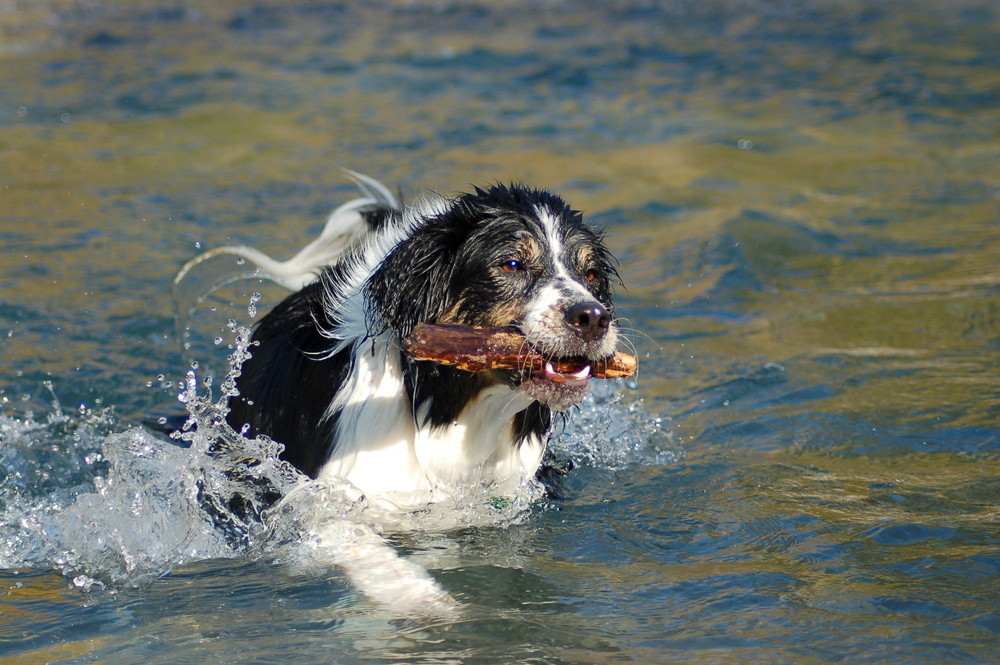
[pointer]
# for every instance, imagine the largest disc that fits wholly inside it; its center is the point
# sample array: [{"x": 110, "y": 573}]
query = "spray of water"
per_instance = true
[{"x": 110, "y": 503}]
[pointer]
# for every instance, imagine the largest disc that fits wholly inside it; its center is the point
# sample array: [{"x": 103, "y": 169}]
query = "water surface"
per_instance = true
[{"x": 804, "y": 200}]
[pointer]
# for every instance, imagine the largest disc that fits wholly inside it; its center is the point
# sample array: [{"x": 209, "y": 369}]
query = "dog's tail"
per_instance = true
[{"x": 345, "y": 228}]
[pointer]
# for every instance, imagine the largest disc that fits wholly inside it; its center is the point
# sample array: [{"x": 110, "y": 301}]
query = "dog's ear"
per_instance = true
[{"x": 411, "y": 284}]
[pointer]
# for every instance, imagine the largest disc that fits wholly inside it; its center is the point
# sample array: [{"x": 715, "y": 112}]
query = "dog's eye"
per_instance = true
[
  {"x": 512, "y": 266},
  {"x": 591, "y": 275}
]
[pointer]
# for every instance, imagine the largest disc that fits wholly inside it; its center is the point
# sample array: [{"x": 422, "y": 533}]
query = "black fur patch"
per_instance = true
[
  {"x": 448, "y": 269},
  {"x": 286, "y": 387}
]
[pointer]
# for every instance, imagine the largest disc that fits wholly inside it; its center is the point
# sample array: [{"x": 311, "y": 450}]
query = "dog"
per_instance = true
[{"x": 327, "y": 379}]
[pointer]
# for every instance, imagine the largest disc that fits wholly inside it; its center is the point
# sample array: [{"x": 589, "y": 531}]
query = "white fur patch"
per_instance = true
[
  {"x": 563, "y": 277},
  {"x": 383, "y": 452}
]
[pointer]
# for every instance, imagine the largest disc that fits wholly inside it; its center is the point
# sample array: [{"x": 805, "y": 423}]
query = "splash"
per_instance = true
[
  {"x": 124, "y": 508},
  {"x": 109, "y": 503},
  {"x": 613, "y": 430}
]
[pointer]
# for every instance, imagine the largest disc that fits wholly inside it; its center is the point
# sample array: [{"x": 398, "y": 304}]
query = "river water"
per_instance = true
[{"x": 804, "y": 198}]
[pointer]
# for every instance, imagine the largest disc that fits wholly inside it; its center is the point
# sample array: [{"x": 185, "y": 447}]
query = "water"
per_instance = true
[{"x": 804, "y": 200}]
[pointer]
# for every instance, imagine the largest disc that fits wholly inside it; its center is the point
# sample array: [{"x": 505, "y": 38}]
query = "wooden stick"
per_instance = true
[{"x": 475, "y": 349}]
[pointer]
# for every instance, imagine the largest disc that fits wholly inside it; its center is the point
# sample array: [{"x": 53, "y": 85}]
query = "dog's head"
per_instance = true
[{"x": 509, "y": 256}]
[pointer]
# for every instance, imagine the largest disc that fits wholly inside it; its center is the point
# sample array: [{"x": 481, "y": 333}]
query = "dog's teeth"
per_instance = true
[
  {"x": 552, "y": 375},
  {"x": 579, "y": 377}
]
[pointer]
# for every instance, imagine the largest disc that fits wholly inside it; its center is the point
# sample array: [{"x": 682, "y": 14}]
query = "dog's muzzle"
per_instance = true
[{"x": 584, "y": 334}]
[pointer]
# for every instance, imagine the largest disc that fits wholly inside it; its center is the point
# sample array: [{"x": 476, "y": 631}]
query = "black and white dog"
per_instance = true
[{"x": 327, "y": 377}]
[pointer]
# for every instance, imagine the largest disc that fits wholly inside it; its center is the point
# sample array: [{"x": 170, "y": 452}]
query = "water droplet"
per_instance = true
[{"x": 254, "y": 299}]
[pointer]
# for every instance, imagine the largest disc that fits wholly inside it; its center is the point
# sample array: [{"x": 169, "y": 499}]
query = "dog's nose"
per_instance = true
[{"x": 589, "y": 319}]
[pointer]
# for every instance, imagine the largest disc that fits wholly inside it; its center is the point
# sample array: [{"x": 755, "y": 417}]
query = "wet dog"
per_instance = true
[{"x": 327, "y": 377}]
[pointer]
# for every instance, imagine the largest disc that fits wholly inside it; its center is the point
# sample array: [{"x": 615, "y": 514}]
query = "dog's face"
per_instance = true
[{"x": 522, "y": 258}]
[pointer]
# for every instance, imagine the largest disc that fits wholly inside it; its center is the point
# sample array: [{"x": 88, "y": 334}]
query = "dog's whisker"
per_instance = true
[{"x": 635, "y": 331}]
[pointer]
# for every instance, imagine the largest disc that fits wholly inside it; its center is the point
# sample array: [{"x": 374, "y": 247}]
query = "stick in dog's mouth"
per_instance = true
[{"x": 476, "y": 349}]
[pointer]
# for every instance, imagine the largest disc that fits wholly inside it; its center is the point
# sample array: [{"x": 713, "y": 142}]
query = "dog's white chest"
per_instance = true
[{"x": 383, "y": 452}]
